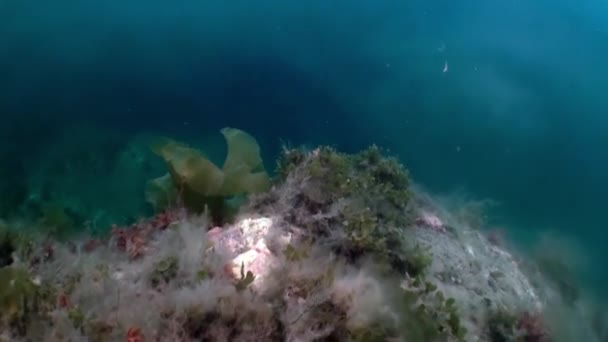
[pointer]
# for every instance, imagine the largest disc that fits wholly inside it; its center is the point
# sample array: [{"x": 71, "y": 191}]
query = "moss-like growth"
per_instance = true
[
  {"x": 203, "y": 274},
  {"x": 289, "y": 162},
  {"x": 417, "y": 260},
  {"x": 374, "y": 332},
  {"x": 427, "y": 315},
  {"x": 21, "y": 300},
  {"x": 200, "y": 184},
  {"x": 164, "y": 271},
  {"x": 419, "y": 313},
  {"x": 71, "y": 282},
  {"x": 501, "y": 326},
  {"x": 77, "y": 317},
  {"x": 367, "y": 193},
  {"x": 296, "y": 254},
  {"x": 14, "y": 243},
  {"x": 98, "y": 330}
]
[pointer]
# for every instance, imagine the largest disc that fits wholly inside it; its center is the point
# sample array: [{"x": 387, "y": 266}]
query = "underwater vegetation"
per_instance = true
[
  {"x": 336, "y": 247},
  {"x": 367, "y": 195},
  {"x": 199, "y": 183}
]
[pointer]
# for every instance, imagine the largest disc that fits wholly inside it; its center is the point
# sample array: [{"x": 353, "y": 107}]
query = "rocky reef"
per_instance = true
[{"x": 338, "y": 247}]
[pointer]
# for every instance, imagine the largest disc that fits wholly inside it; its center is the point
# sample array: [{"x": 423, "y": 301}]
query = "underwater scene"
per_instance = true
[{"x": 321, "y": 170}]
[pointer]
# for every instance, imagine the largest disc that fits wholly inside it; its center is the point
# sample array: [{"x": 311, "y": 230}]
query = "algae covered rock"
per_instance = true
[
  {"x": 199, "y": 183},
  {"x": 362, "y": 199},
  {"x": 20, "y": 299}
]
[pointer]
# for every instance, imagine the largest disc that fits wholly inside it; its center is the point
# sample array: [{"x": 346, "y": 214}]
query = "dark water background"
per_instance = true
[{"x": 521, "y": 116}]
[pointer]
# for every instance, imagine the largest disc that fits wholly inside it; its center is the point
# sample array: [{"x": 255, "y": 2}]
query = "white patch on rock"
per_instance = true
[
  {"x": 473, "y": 271},
  {"x": 254, "y": 229},
  {"x": 248, "y": 240}
]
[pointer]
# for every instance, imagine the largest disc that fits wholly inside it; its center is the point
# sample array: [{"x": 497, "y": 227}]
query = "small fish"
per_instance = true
[{"x": 445, "y": 67}]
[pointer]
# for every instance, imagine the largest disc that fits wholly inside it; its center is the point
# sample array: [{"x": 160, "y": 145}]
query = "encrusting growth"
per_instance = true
[{"x": 332, "y": 249}]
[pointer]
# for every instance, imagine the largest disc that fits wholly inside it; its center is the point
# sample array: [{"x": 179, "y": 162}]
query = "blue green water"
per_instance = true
[{"x": 519, "y": 116}]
